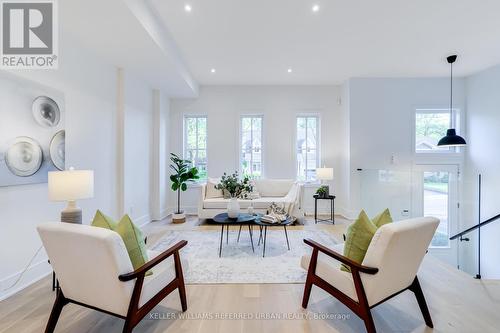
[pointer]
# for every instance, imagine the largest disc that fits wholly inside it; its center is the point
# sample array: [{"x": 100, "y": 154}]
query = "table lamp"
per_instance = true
[
  {"x": 71, "y": 185},
  {"x": 325, "y": 174}
]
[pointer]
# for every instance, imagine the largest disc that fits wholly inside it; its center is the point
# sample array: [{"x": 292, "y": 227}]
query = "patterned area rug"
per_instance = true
[{"x": 238, "y": 263}]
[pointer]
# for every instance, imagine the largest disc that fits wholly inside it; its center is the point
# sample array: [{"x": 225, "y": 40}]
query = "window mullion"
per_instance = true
[
  {"x": 251, "y": 146},
  {"x": 307, "y": 149}
]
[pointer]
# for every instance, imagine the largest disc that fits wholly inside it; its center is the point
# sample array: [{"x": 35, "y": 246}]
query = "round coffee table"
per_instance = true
[
  {"x": 265, "y": 225},
  {"x": 226, "y": 221}
]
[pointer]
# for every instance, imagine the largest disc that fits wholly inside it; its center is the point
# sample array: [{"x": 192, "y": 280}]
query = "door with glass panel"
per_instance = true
[{"x": 436, "y": 194}]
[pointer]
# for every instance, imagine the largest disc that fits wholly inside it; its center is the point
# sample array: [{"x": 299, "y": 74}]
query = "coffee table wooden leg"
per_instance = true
[
  {"x": 221, "y": 236},
  {"x": 239, "y": 233},
  {"x": 227, "y": 234}
]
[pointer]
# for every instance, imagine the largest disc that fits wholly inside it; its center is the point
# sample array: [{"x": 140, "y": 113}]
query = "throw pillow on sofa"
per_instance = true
[
  {"x": 360, "y": 234},
  {"x": 211, "y": 191},
  {"x": 131, "y": 235}
]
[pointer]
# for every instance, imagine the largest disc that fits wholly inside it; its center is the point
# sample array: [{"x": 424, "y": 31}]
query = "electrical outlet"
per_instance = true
[{"x": 405, "y": 212}]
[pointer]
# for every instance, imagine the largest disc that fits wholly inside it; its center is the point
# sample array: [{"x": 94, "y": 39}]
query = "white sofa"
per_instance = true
[{"x": 281, "y": 191}]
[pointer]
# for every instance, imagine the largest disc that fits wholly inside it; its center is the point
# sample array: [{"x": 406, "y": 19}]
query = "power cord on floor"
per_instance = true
[{"x": 24, "y": 270}]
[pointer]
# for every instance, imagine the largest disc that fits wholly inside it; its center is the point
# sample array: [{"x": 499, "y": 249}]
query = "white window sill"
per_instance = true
[{"x": 311, "y": 184}]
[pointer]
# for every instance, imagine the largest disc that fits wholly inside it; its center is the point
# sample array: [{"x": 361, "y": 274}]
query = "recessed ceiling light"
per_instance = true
[
  {"x": 315, "y": 8},
  {"x": 187, "y": 8},
  {"x": 212, "y": 70},
  {"x": 289, "y": 70}
]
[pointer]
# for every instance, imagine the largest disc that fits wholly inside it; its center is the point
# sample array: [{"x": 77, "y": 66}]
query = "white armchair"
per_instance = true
[
  {"x": 389, "y": 268},
  {"x": 94, "y": 270}
]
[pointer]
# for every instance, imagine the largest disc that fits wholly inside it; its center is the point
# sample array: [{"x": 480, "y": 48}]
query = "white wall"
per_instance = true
[
  {"x": 160, "y": 146},
  {"x": 483, "y": 124},
  {"x": 280, "y": 105},
  {"x": 138, "y": 149},
  {"x": 381, "y": 123},
  {"x": 89, "y": 86}
]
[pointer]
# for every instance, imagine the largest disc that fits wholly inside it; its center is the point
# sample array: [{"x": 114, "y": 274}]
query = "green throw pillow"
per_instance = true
[
  {"x": 382, "y": 218},
  {"x": 359, "y": 236},
  {"x": 134, "y": 241},
  {"x": 131, "y": 235},
  {"x": 103, "y": 221}
]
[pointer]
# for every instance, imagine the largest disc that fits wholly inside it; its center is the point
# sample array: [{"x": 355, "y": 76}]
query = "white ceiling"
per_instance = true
[
  {"x": 256, "y": 41},
  {"x": 117, "y": 32}
]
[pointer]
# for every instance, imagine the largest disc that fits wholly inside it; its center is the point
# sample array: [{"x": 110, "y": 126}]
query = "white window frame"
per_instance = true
[
  {"x": 454, "y": 123},
  {"x": 318, "y": 144},
  {"x": 184, "y": 141},
  {"x": 240, "y": 160}
]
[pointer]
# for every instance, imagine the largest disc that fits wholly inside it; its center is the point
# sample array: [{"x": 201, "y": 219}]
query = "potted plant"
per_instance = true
[
  {"x": 322, "y": 191},
  {"x": 235, "y": 188},
  {"x": 183, "y": 174}
]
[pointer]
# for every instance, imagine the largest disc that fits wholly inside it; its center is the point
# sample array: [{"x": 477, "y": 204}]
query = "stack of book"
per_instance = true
[{"x": 273, "y": 218}]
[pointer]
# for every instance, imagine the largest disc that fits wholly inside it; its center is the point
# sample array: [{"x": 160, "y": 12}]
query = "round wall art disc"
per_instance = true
[
  {"x": 46, "y": 111},
  {"x": 24, "y": 157},
  {"x": 57, "y": 150}
]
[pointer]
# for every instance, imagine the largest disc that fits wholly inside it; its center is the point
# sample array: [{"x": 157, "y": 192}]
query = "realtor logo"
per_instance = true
[{"x": 29, "y": 34}]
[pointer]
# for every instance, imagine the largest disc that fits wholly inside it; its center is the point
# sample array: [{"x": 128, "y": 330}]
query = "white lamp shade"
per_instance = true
[
  {"x": 71, "y": 185},
  {"x": 324, "y": 173}
]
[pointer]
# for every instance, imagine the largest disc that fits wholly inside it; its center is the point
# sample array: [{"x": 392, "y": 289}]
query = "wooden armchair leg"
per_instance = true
[
  {"x": 363, "y": 307},
  {"x": 180, "y": 277},
  {"x": 127, "y": 327},
  {"x": 56, "y": 311},
  {"x": 368, "y": 319},
  {"x": 307, "y": 293},
  {"x": 310, "y": 277},
  {"x": 417, "y": 290}
]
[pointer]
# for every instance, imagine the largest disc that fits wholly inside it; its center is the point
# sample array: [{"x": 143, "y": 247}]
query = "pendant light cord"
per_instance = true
[{"x": 451, "y": 89}]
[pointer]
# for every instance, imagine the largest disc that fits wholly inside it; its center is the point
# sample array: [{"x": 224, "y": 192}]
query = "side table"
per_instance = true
[{"x": 332, "y": 208}]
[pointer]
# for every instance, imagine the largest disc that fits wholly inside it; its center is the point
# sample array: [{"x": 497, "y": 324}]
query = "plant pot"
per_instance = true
[
  {"x": 326, "y": 192},
  {"x": 233, "y": 208},
  {"x": 178, "y": 217}
]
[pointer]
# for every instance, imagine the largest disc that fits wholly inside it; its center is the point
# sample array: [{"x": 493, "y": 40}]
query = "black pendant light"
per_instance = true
[{"x": 451, "y": 139}]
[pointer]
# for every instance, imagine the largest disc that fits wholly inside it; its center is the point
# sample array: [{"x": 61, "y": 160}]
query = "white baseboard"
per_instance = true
[
  {"x": 164, "y": 213},
  {"x": 143, "y": 220},
  {"x": 190, "y": 210},
  {"x": 33, "y": 274}
]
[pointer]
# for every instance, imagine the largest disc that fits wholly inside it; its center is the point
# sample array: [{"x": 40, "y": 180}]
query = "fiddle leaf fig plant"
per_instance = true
[{"x": 183, "y": 173}]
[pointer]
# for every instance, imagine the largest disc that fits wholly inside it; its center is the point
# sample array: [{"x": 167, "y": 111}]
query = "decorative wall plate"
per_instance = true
[
  {"x": 24, "y": 157},
  {"x": 57, "y": 149},
  {"x": 46, "y": 111}
]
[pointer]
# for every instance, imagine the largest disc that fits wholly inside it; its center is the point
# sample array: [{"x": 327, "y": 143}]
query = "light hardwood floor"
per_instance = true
[{"x": 458, "y": 303}]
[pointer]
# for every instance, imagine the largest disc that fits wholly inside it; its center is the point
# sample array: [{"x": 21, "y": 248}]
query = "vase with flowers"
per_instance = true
[{"x": 234, "y": 187}]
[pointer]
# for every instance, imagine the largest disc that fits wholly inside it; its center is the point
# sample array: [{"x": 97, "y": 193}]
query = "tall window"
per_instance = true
[
  {"x": 195, "y": 143},
  {"x": 307, "y": 147},
  {"x": 430, "y": 127},
  {"x": 251, "y": 146}
]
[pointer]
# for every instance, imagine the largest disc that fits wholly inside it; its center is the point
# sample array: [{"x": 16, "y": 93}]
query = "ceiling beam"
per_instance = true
[{"x": 146, "y": 15}]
